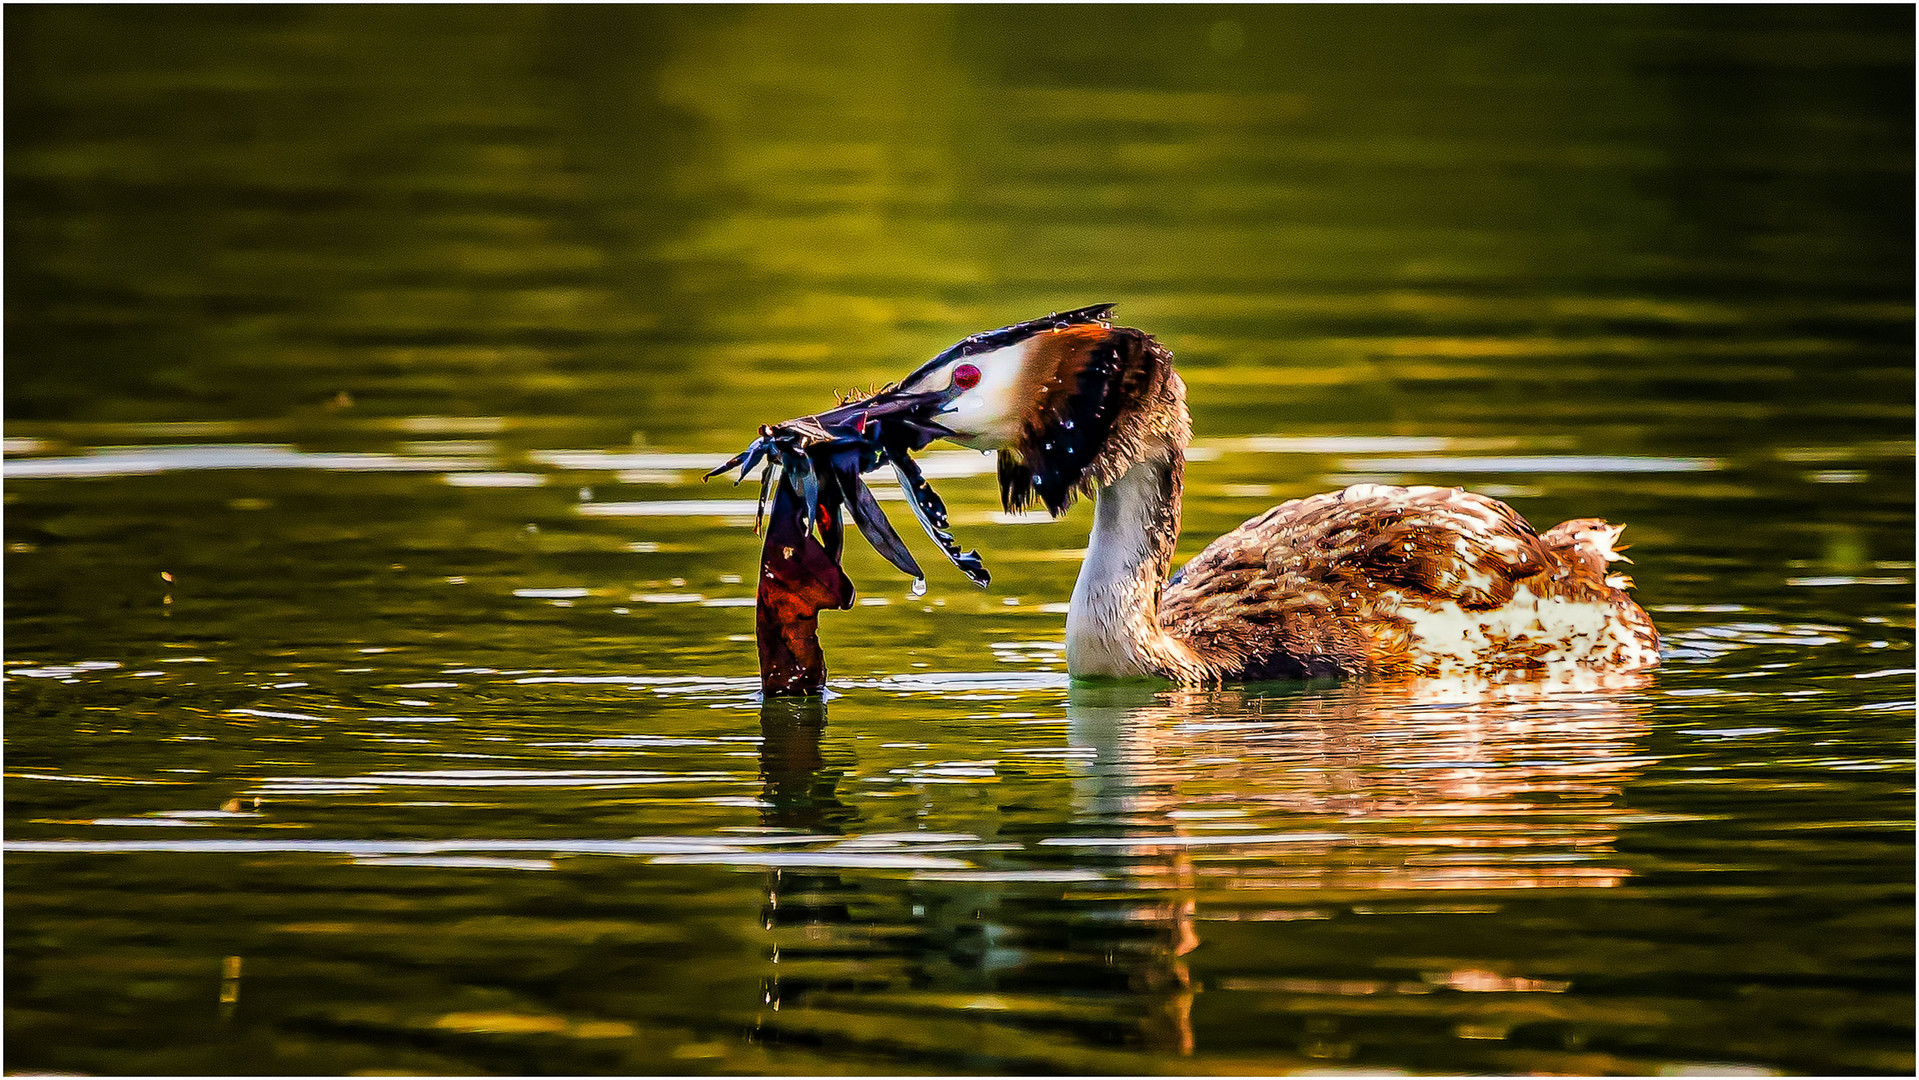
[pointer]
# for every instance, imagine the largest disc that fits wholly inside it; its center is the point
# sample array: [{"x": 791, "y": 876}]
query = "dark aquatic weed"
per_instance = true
[
  {"x": 822, "y": 459},
  {"x": 811, "y": 479}
]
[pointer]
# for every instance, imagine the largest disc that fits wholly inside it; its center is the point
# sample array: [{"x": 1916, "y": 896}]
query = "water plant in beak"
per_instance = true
[
  {"x": 811, "y": 481},
  {"x": 823, "y": 458}
]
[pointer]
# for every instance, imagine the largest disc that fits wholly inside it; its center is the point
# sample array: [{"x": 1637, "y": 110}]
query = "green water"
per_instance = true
[{"x": 380, "y": 688}]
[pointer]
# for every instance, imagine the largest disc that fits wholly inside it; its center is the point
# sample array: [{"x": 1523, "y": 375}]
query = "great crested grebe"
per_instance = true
[{"x": 1371, "y": 580}]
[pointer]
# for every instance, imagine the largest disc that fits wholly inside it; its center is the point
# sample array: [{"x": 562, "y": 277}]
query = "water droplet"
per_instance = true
[{"x": 919, "y": 588}]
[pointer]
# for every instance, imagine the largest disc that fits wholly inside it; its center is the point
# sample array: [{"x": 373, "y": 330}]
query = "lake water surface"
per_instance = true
[{"x": 380, "y": 686}]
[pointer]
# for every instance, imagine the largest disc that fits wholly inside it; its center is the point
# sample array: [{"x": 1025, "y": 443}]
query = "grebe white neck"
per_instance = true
[{"x": 1112, "y": 625}]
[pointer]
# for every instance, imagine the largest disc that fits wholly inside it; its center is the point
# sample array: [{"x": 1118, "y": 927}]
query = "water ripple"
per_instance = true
[{"x": 136, "y": 460}]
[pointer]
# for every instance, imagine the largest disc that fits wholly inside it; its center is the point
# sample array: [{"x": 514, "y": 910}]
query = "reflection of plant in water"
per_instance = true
[{"x": 798, "y": 792}]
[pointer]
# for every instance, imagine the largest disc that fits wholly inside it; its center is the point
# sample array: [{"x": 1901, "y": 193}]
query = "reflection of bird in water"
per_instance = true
[
  {"x": 1366, "y": 581},
  {"x": 1501, "y": 770},
  {"x": 1380, "y": 792}
]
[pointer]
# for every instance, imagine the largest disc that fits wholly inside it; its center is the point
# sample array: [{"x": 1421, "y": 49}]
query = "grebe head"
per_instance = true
[
  {"x": 989, "y": 380},
  {"x": 1070, "y": 401}
]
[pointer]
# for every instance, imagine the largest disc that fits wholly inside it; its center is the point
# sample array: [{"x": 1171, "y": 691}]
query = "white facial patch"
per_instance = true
[{"x": 988, "y": 416}]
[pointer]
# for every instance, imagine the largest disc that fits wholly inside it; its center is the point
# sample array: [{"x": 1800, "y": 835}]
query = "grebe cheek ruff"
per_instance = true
[{"x": 1372, "y": 580}]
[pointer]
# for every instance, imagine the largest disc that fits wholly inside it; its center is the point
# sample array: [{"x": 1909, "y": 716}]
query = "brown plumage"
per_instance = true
[
  {"x": 1100, "y": 396},
  {"x": 1361, "y": 581}
]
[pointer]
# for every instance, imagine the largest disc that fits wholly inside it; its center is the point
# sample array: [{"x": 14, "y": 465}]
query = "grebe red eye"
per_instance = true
[{"x": 966, "y": 376}]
